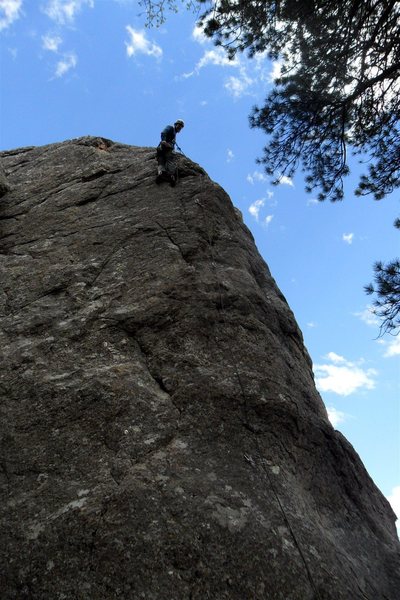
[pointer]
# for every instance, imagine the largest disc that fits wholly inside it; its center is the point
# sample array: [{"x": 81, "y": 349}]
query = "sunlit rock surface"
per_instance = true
[{"x": 161, "y": 434}]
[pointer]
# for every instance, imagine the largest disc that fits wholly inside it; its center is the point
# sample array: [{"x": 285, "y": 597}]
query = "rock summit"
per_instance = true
[{"x": 161, "y": 434}]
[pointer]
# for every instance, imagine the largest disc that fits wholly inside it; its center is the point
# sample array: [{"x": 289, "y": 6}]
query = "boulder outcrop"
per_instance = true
[{"x": 161, "y": 434}]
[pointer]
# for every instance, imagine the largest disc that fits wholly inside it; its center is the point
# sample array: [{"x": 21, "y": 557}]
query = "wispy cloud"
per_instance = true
[
  {"x": 68, "y": 62},
  {"x": 63, "y": 12},
  {"x": 13, "y": 52},
  {"x": 229, "y": 156},
  {"x": 199, "y": 36},
  {"x": 51, "y": 42},
  {"x": 268, "y": 219},
  {"x": 276, "y": 71},
  {"x": 255, "y": 207},
  {"x": 239, "y": 86},
  {"x": 348, "y": 238},
  {"x": 342, "y": 376},
  {"x": 254, "y": 210},
  {"x": 139, "y": 44},
  {"x": 262, "y": 64},
  {"x": 216, "y": 57},
  {"x": 249, "y": 72},
  {"x": 256, "y": 176},
  {"x": 335, "y": 358},
  {"x": 236, "y": 85},
  {"x": 368, "y": 316},
  {"x": 285, "y": 180},
  {"x": 393, "y": 348},
  {"x": 335, "y": 416},
  {"x": 10, "y": 11}
]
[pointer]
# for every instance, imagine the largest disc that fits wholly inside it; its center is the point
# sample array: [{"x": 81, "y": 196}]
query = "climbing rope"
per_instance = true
[{"x": 180, "y": 151}]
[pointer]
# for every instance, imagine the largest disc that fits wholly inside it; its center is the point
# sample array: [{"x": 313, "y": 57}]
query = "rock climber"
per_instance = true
[{"x": 165, "y": 153}]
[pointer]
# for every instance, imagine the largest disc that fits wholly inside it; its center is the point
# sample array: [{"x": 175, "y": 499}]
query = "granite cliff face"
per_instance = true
[{"x": 161, "y": 434}]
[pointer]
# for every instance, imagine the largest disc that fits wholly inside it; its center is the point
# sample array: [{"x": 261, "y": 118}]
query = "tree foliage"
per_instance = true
[
  {"x": 339, "y": 84},
  {"x": 386, "y": 288}
]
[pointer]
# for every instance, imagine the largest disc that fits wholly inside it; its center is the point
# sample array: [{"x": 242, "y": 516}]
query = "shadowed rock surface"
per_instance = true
[
  {"x": 161, "y": 434},
  {"x": 4, "y": 187}
]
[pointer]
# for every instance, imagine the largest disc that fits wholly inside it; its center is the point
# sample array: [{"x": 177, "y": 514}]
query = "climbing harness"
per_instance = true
[{"x": 175, "y": 175}]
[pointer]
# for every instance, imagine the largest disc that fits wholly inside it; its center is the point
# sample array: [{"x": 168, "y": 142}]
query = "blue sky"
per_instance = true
[{"x": 89, "y": 67}]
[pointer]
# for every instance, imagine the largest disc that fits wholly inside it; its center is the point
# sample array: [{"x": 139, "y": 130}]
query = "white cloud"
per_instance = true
[
  {"x": 276, "y": 71},
  {"x": 268, "y": 219},
  {"x": 348, "y": 238},
  {"x": 343, "y": 377},
  {"x": 254, "y": 73},
  {"x": 262, "y": 60},
  {"x": 140, "y": 44},
  {"x": 254, "y": 209},
  {"x": 394, "y": 499},
  {"x": 185, "y": 75},
  {"x": 64, "y": 11},
  {"x": 312, "y": 202},
  {"x": 9, "y": 12},
  {"x": 66, "y": 64},
  {"x": 257, "y": 176},
  {"x": 335, "y": 416},
  {"x": 285, "y": 180},
  {"x": 335, "y": 358},
  {"x": 230, "y": 156},
  {"x": 199, "y": 36},
  {"x": 311, "y": 324},
  {"x": 368, "y": 316},
  {"x": 393, "y": 348},
  {"x": 51, "y": 42},
  {"x": 216, "y": 57},
  {"x": 238, "y": 86}
]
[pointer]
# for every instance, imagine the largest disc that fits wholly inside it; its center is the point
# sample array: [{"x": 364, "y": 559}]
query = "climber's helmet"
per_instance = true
[{"x": 179, "y": 124}]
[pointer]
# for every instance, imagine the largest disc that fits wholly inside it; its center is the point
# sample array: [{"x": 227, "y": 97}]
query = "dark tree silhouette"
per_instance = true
[
  {"x": 339, "y": 85},
  {"x": 386, "y": 288}
]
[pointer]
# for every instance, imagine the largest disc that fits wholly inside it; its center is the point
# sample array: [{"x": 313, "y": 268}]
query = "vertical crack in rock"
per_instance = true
[
  {"x": 161, "y": 435},
  {"x": 173, "y": 242},
  {"x": 156, "y": 376}
]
